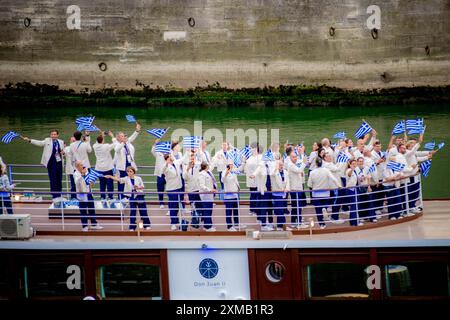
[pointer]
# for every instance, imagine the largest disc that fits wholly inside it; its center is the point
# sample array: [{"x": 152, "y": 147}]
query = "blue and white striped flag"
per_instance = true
[
  {"x": 91, "y": 128},
  {"x": 342, "y": 157},
  {"x": 87, "y": 121},
  {"x": 235, "y": 157},
  {"x": 268, "y": 156},
  {"x": 92, "y": 176},
  {"x": 372, "y": 168},
  {"x": 163, "y": 147},
  {"x": 425, "y": 167},
  {"x": 9, "y": 136},
  {"x": 157, "y": 132},
  {"x": 364, "y": 129},
  {"x": 339, "y": 135},
  {"x": 430, "y": 145},
  {"x": 246, "y": 152},
  {"x": 383, "y": 154},
  {"x": 395, "y": 166},
  {"x": 130, "y": 118},
  {"x": 334, "y": 145},
  {"x": 415, "y": 126},
  {"x": 441, "y": 145},
  {"x": 192, "y": 142},
  {"x": 399, "y": 128}
]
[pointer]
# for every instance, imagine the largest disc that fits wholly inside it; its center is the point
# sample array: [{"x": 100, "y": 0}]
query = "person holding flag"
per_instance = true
[
  {"x": 134, "y": 192},
  {"x": 208, "y": 186},
  {"x": 391, "y": 185},
  {"x": 85, "y": 198},
  {"x": 296, "y": 174},
  {"x": 5, "y": 191},
  {"x": 81, "y": 148},
  {"x": 379, "y": 158},
  {"x": 172, "y": 173},
  {"x": 52, "y": 159},
  {"x": 231, "y": 196},
  {"x": 105, "y": 165},
  {"x": 124, "y": 155},
  {"x": 69, "y": 168},
  {"x": 220, "y": 159},
  {"x": 192, "y": 187},
  {"x": 158, "y": 172},
  {"x": 250, "y": 166}
]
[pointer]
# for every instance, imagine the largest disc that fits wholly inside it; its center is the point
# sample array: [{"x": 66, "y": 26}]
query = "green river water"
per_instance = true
[{"x": 294, "y": 124}]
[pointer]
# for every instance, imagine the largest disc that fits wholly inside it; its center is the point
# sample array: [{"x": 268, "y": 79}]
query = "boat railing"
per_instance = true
[{"x": 351, "y": 204}]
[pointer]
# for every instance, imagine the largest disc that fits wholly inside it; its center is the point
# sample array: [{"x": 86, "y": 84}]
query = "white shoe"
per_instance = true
[
  {"x": 212, "y": 229},
  {"x": 168, "y": 213},
  {"x": 339, "y": 221},
  {"x": 323, "y": 226},
  {"x": 232, "y": 229},
  {"x": 96, "y": 227},
  {"x": 325, "y": 213},
  {"x": 302, "y": 226},
  {"x": 266, "y": 228},
  {"x": 85, "y": 229},
  {"x": 393, "y": 218},
  {"x": 148, "y": 228},
  {"x": 378, "y": 212},
  {"x": 242, "y": 226},
  {"x": 374, "y": 220},
  {"x": 131, "y": 230},
  {"x": 288, "y": 228},
  {"x": 384, "y": 210},
  {"x": 173, "y": 227},
  {"x": 360, "y": 223},
  {"x": 161, "y": 206},
  {"x": 401, "y": 217}
]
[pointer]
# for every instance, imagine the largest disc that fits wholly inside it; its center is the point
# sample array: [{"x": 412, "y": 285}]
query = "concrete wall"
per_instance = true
[{"x": 238, "y": 43}]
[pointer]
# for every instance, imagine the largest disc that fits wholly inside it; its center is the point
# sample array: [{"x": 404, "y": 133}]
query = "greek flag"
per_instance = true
[
  {"x": 92, "y": 176},
  {"x": 364, "y": 129},
  {"x": 415, "y": 126},
  {"x": 425, "y": 167},
  {"x": 430, "y": 145},
  {"x": 163, "y": 147},
  {"x": 157, "y": 132},
  {"x": 268, "y": 156},
  {"x": 395, "y": 166},
  {"x": 339, "y": 135},
  {"x": 399, "y": 128},
  {"x": 192, "y": 142},
  {"x": 383, "y": 154},
  {"x": 342, "y": 157},
  {"x": 87, "y": 121},
  {"x": 130, "y": 118},
  {"x": 246, "y": 152},
  {"x": 334, "y": 145},
  {"x": 91, "y": 128},
  {"x": 372, "y": 168},
  {"x": 9, "y": 136},
  {"x": 235, "y": 157},
  {"x": 441, "y": 145}
]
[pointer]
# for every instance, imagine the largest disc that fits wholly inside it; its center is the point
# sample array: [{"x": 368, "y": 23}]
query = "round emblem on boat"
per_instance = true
[{"x": 208, "y": 268}]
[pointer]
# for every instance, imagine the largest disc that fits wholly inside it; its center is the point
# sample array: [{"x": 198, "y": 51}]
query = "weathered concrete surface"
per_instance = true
[{"x": 238, "y": 43}]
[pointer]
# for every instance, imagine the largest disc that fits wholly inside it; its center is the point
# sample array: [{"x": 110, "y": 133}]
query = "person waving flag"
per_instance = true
[
  {"x": 92, "y": 176},
  {"x": 415, "y": 126},
  {"x": 425, "y": 167},
  {"x": 192, "y": 142}
]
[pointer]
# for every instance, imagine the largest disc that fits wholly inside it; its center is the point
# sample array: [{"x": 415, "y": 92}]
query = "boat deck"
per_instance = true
[{"x": 432, "y": 228}]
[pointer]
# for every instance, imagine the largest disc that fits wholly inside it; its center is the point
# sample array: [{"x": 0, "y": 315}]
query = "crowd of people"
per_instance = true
[{"x": 352, "y": 181}]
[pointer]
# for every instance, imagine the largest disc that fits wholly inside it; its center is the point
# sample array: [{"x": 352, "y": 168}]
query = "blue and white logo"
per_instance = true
[{"x": 208, "y": 268}]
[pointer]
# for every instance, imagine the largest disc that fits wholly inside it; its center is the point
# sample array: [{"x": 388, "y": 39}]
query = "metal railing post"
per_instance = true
[
  {"x": 420, "y": 191},
  {"x": 406, "y": 197},
  {"x": 62, "y": 216}
]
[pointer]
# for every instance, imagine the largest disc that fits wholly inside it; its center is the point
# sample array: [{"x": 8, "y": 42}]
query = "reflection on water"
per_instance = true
[{"x": 295, "y": 124}]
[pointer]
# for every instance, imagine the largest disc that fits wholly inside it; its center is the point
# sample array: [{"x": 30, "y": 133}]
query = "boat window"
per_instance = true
[
  {"x": 337, "y": 280},
  {"x": 275, "y": 271},
  {"x": 53, "y": 279},
  {"x": 133, "y": 280},
  {"x": 417, "y": 278}
]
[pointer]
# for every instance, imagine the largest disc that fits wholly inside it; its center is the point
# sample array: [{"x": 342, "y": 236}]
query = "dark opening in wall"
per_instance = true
[
  {"x": 102, "y": 66},
  {"x": 191, "y": 22}
]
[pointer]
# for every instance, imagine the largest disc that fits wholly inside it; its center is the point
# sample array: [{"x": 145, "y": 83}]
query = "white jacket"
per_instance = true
[
  {"x": 320, "y": 179},
  {"x": 278, "y": 185},
  {"x": 159, "y": 162},
  {"x": 249, "y": 168},
  {"x": 206, "y": 184},
  {"x": 120, "y": 153},
  {"x": 296, "y": 175},
  {"x": 47, "y": 143},
  {"x": 230, "y": 185},
  {"x": 81, "y": 186},
  {"x": 80, "y": 151},
  {"x": 129, "y": 188},
  {"x": 103, "y": 154},
  {"x": 261, "y": 174},
  {"x": 191, "y": 178},
  {"x": 69, "y": 161},
  {"x": 173, "y": 176},
  {"x": 219, "y": 161}
]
